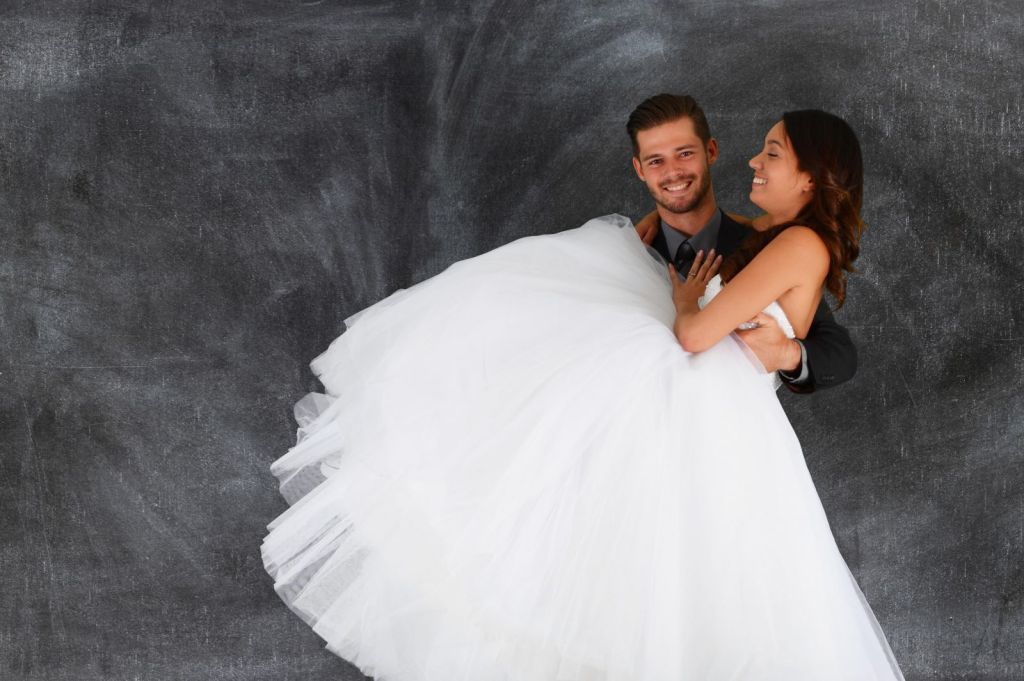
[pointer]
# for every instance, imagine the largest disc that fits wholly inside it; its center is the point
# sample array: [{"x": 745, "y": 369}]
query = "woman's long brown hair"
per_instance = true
[{"x": 827, "y": 149}]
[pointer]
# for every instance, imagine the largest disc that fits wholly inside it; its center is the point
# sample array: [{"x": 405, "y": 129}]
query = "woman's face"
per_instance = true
[{"x": 779, "y": 187}]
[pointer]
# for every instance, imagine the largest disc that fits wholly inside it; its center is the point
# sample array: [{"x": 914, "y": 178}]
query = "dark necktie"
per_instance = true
[{"x": 684, "y": 258}]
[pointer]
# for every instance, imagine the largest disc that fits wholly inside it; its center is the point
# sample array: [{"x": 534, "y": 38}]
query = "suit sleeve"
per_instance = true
[{"x": 831, "y": 354}]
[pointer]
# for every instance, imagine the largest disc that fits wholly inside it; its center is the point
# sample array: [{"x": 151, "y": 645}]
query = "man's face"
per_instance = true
[{"x": 675, "y": 165}]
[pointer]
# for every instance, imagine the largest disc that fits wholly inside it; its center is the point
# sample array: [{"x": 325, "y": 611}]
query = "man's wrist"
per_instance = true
[
  {"x": 793, "y": 359},
  {"x": 795, "y": 370}
]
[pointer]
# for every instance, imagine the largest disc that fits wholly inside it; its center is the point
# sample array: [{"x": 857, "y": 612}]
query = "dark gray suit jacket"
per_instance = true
[{"x": 831, "y": 355}]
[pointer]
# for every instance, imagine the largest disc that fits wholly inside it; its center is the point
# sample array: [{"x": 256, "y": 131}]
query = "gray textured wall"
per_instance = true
[{"x": 194, "y": 195}]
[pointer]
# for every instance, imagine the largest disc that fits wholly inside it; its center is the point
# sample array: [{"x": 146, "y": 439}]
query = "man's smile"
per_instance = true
[{"x": 678, "y": 186}]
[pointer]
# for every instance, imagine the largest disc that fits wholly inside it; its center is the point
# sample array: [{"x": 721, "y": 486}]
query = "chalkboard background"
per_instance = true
[{"x": 195, "y": 194}]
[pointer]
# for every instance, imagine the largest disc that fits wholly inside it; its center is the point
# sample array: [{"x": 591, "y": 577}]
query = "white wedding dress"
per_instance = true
[{"x": 517, "y": 474}]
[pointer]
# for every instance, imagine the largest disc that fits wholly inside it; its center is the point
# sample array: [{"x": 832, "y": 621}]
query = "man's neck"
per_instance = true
[{"x": 692, "y": 221}]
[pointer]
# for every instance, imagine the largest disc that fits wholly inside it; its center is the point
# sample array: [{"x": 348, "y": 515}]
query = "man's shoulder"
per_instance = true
[
  {"x": 735, "y": 220},
  {"x": 731, "y": 232}
]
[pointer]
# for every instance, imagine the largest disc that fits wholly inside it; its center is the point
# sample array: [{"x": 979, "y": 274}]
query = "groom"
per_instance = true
[{"x": 673, "y": 152}]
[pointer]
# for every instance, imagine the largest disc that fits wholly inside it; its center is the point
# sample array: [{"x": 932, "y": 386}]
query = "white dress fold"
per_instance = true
[{"x": 517, "y": 474}]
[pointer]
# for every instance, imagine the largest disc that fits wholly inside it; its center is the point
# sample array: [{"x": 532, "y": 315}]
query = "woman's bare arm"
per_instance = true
[{"x": 796, "y": 259}]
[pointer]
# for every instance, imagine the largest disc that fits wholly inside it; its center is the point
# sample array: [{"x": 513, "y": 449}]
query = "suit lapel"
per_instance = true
[
  {"x": 730, "y": 234},
  {"x": 661, "y": 245}
]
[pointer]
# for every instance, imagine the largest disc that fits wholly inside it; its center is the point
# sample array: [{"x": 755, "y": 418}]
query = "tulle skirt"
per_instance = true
[{"x": 517, "y": 474}]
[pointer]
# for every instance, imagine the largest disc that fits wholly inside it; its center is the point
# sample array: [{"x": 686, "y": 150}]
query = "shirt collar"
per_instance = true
[{"x": 704, "y": 240}]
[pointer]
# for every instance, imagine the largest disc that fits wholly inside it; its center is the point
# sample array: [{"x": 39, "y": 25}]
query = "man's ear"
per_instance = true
[
  {"x": 712, "y": 147},
  {"x": 638, "y": 168}
]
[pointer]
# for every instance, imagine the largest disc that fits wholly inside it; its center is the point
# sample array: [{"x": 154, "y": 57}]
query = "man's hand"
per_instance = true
[
  {"x": 770, "y": 344},
  {"x": 648, "y": 227}
]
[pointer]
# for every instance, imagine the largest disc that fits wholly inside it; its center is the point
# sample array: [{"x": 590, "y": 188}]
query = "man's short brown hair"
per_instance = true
[{"x": 665, "y": 108}]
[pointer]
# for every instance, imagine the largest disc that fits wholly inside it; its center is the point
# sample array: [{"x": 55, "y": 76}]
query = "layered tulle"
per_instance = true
[{"x": 518, "y": 474}]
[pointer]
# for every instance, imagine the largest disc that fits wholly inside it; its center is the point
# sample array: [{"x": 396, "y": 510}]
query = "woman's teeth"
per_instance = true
[{"x": 760, "y": 180}]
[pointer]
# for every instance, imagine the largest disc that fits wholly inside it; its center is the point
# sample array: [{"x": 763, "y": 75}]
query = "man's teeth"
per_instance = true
[
  {"x": 677, "y": 187},
  {"x": 760, "y": 180}
]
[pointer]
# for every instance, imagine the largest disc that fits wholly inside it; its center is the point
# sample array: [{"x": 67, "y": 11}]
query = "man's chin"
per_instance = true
[{"x": 679, "y": 207}]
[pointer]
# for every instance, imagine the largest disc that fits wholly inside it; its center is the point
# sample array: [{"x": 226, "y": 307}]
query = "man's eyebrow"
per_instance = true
[{"x": 679, "y": 148}]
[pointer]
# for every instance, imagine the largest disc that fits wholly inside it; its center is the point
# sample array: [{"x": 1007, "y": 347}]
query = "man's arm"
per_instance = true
[
  {"x": 648, "y": 227},
  {"x": 827, "y": 357},
  {"x": 831, "y": 354}
]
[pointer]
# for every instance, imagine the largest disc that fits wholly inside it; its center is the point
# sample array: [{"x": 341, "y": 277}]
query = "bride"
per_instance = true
[{"x": 549, "y": 463}]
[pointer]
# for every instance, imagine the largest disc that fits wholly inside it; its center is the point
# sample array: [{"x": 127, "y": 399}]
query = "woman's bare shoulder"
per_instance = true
[
  {"x": 802, "y": 235},
  {"x": 803, "y": 243}
]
